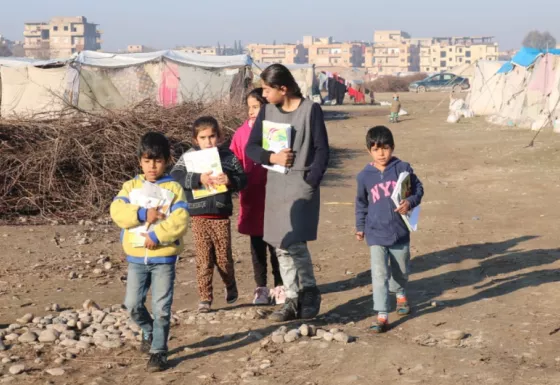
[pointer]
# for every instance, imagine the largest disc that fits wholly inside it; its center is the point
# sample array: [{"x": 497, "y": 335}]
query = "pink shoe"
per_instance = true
[
  {"x": 280, "y": 295},
  {"x": 261, "y": 296}
]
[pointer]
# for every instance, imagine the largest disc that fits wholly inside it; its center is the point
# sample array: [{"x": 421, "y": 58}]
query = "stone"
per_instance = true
[
  {"x": 55, "y": 307},
  {"x": 72, "y": 275},
  {"x": 247, "y": 374},
  {"x": 278, "y": 338},
  {"x": 70, "y": 335},
  {"x": 55, "y": 372},
  {"x": 48, "y": 336},
  {"x": 28, "y": 337},
  {"x": 69, "y": 356},
  {"x": 38, "y": 361},
  {"x": 334, "y": 331},
  {"x": 265, "y": 366},
  {"x": 291, "y": 336},
  {"x": 304, "y": 330},
  {"x": 61, "y": 328},
  {"x": 69, "y": 343},
  {"x": 97, "y": 271},
  {"x": 80, "y": 325},
  {"x": 112, "y": 344},
  {"x": 12, "y": 337},
  {"x": 2, "y": 346},
  {"x": 451, "y": 343},
  {"x": 86, "y": 339},
  {"x": 83, "y": 345},
  {"x": 89, "y": 305},
  {"x": 60, "y": 360},
  {"x": 328, "y": 336},
  {"x": 25, "y": 319},
  {"x": 281, "y": 330},
  {"x": 13, "y": 327},
  {"x": 72, "y": 323},
  {"x": 456, "y": 335},
  {"x": 6, "y": 360},
  {"x": 17, "y": 369},
  {"x": 342, "y": 337},
  {"x": 74, "y": 351},
  {"x": 320, "y": 333},
  {"x": 36, "y": 320},
  {"x": 107, "y": 265},
  {"x": 108, "y": 320}
]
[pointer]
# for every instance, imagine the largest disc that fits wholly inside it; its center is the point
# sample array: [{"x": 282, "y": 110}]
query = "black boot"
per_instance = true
[
  {"x": 288, "y": 312},
  {"x": 157, "y": 362},
  {"x": 310, "y": 302}
]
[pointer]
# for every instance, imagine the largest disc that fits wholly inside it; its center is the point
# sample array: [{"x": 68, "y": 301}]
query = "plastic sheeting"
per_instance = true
[
  {"x": 304, "y": 74},
  {"x": 30, "y": 90}
]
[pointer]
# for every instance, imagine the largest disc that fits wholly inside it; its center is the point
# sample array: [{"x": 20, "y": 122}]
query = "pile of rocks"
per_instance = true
[{"x": 283, "y": 335}]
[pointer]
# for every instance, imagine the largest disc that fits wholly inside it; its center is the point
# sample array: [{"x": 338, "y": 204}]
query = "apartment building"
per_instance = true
[
  {"x": 444, "y": 53},
  {"x": 325, "y": 52},
  {"x": 392, "y": 51},
  {"x": 206, "y": 51},
  {"x": 135, "y": 48},
  {"x": 282, "y": 53},
  {"x": 60, "y": 37}
]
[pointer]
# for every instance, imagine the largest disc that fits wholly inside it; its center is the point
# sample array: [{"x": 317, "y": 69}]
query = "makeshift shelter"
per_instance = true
[
  {"x": 304, "y": 74},
  {"x": 524, "y": 92},
  {"x": 94, "y": 81}
]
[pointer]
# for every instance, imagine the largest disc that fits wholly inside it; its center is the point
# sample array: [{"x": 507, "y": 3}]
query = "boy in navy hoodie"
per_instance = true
[{"x": 379, "y": 221}]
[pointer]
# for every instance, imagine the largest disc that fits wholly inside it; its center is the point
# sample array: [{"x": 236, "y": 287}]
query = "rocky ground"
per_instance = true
[{"x": 485, "y": 269}]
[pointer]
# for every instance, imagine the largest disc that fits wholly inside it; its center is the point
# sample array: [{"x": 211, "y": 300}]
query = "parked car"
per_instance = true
[{"x": 440, "y": 82}]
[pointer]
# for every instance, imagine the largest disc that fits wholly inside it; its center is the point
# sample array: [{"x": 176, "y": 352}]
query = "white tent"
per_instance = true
[{"x": 304, "y": 74}]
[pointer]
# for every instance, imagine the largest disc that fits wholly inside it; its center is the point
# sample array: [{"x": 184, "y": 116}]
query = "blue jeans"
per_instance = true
[
  {"x": 161, "y": 277},
  {"x": 390, "y": 267}
]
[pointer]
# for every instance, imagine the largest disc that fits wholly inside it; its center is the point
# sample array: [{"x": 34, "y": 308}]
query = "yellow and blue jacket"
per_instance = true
[{"x": 168, "y": 234}]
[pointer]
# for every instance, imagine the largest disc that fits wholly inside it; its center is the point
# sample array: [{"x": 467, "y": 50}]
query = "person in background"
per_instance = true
[{"x": 395, "y": 109}]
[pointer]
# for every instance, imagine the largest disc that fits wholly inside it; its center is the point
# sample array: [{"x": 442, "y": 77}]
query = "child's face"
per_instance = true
[
  {"x": 206, "y": 138},
  {"x": 274, "y": 95},
  {"x": 153, "y": 169},
  {"x": 381, "y": 155},
  {"x": 254, "y": 107}
]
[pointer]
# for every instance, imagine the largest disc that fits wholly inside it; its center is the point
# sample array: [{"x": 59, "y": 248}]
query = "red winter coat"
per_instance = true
[{"x": 251, "y": 199}]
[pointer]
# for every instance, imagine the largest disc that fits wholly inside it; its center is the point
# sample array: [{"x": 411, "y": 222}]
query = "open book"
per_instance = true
[
  {"x": 276, "y": 137},
  {"x": 203, "y": 161},
  {"x": 149, "y": 196},
  {"x": 403, "y": 190}
]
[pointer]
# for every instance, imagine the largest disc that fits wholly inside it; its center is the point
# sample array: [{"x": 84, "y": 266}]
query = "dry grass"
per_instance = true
[
  {"x": 71, "y": 167},
  {"x": 394, "y": 83}
]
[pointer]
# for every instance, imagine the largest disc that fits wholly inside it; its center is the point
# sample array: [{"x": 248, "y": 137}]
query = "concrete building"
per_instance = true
[
  {"x": 60, "y": 37},
  {"x": 325, "y": 52},
  {"x": 393, "y": 51},
  {"x": 445, "y": 53},
  {"x": 135, "y": 49},
  {"x": 207, "y": 51},
  {"x": 281, "y": 53}
]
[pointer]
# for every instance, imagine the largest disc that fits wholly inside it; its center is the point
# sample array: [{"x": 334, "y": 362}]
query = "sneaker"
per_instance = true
[
  {"x": 380, "y": 326},
  {"x": 204, "y": 307},
  {"x": 310, "y": 302},
  {"x": 288, "y": 312},
  {"x": 280, "y": 295},
  {"x": 402, "y": 306},
  {"x": 157, "y": 362},
  {"x": 261, "y": 296},
  {"x": 146, "y": 344},
  {"x": 232, "y": 295}
]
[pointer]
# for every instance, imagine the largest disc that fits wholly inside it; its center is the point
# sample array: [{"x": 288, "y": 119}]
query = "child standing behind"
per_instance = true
[
  {"x": 154, "y": 264},
  {"x": 251, "y": 213},
  {"x": 210, "y": 216},
  {"x": 379, "y": 221},
  {"x": 395, "y": 109}
]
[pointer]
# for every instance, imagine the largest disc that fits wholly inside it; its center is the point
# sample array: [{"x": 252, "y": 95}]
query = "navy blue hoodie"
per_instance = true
[{"x": 375, "y": 210}]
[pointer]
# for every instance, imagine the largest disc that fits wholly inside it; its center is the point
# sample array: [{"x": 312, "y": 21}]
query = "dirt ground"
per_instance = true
[{"x": 486, "y": 255}]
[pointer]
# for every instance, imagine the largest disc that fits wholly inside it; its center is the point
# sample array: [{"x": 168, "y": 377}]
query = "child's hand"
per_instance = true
[
  {"x": 148, "y": 243},
  {"x": 206, "y": 179},
  {"x": 360, "y": 235},
  {"x": 403, "y": 208},
  {"x": 283, "y": 158},
  {"x": 221, "y": 179},
  {"x": 153, "y": 215}
]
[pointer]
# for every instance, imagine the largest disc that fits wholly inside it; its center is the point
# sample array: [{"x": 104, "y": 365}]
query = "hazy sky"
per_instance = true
[{"x": 167, "y": 23}]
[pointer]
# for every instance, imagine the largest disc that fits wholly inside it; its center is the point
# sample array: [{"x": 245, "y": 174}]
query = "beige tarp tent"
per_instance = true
[{"x": 304, "y": 74}]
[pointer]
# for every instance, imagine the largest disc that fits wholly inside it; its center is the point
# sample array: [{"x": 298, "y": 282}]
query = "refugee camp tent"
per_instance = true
[
  {"x": 304, "y": 74},
  {"x": 95, "y": 81},
  {"x": 524, "y": 92}
]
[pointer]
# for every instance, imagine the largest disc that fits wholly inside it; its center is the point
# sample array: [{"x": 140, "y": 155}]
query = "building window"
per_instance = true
[
  {"x": 460, "y": 50},
  {"x": 443, "y": 63},
  {"x": 55, "y": 28},
  {"x": 468, "y": 53},
  {"x": 428, "y": 69},
  {"x": 66, "y": 28},
  {"x": 74, "y": 29},
  {"x": 450, "y": 49},
  {"x": 434, "y": 60},
  {"x": 443, "y": 54},
  {"x": 468, "y": 62},
  {"x": 460, "y": 60}
]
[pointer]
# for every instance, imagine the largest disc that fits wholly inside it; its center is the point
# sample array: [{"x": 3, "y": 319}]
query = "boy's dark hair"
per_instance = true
[
  {"x": 206, "y": 122},
  {"x": 154, "y": 145},
  {"x": 257, "y": 93},
  {"x": 379, "y": 136},
  {"x": 277, "y": 75}
]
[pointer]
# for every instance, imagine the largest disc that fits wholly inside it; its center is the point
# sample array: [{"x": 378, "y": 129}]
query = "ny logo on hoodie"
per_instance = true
[{"x": 385, "y": 187}]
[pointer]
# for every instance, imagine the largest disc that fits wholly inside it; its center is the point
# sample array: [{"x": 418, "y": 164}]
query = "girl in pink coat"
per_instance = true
[{"x": 251, "y": 213}]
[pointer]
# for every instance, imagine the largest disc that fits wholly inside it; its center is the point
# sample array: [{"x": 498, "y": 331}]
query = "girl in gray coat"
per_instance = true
[{"x": 292, "y": 202}]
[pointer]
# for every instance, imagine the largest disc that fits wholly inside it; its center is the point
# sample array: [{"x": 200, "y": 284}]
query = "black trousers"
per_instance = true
[{"x": 258, "y": 251}]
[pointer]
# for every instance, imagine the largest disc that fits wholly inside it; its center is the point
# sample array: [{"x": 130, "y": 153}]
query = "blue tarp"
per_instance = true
[{"x": 525, "y": 57}]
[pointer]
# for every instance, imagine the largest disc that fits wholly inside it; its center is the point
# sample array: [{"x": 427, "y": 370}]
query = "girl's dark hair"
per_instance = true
[
  {"x": 257, "y": 93},
  {"x": 154, "y": 145},
  {"x": 206, "y": 122},
  {"x": 379, "y": 136},
  {"x": 276, "y": 76}
]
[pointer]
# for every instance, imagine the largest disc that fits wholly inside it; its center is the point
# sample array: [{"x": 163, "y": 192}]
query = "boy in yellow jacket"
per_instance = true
[{"x": 154, "y": 264}]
